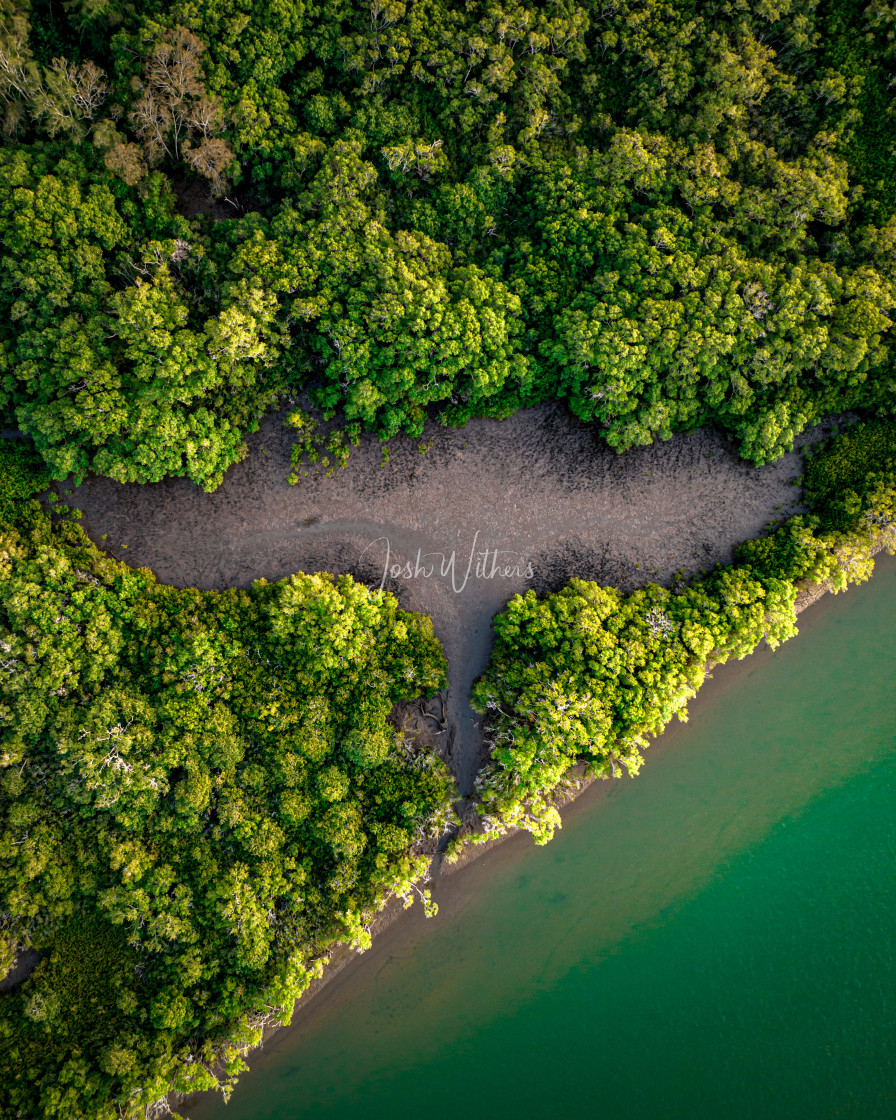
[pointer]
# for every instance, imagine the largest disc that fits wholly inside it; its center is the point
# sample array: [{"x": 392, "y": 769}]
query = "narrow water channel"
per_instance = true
[{"x": 716, "y": 938}]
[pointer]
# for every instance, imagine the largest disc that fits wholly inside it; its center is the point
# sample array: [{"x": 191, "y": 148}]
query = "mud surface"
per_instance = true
[
  {"x": 22, "y": 967},
  {"x": 540, "y": 488}
]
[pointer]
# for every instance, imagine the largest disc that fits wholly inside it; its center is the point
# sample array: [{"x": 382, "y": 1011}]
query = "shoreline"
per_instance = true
[
  {"x": 335, "y": 981},
  {"x": 681, "y": 507}
]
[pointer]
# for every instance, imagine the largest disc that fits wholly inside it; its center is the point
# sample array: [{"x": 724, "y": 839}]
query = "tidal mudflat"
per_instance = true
[{"x": 455, "y": 523}]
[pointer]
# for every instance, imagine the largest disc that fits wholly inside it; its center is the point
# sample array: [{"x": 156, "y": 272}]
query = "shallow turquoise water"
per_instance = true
[{"x": 715, "y": 939}]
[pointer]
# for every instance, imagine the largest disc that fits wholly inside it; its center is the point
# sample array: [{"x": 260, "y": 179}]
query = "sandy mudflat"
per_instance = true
[{"x": 540, "y": 487}]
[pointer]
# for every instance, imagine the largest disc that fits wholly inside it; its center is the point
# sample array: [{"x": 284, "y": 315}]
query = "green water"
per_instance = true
[{"x": 713, "y": 940}]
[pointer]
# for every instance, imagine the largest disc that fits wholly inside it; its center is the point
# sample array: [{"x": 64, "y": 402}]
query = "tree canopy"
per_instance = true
[
  {"x": 665, "y": 214},
  {"x": 200, "y": 792}
]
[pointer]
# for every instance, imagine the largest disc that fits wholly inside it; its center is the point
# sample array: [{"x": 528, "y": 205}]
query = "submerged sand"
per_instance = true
[{"x": 522, "y": 503}]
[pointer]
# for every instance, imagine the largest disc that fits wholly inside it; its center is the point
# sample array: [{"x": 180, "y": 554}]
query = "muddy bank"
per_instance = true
[
  {"x": 527, "y": 502},
  {"x": 23, "y": 965}
]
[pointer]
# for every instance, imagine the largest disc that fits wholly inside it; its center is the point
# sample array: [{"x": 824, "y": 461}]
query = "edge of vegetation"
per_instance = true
[
  {"x": 200, "y": 794},
  {"x": 588, "y": 674}
]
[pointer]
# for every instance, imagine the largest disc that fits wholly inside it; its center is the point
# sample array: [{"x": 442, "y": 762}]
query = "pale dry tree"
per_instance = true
[
  {"x": 175, "y": 116},
  {"x": 61, "y": 98},
  {"x": 210, "y": 159},
  {"x": 69, "y": 96},
  {"x": 19, "y": 74}
]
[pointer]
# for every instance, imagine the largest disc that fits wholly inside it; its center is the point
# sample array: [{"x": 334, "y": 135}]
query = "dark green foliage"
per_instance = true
[
  {"x": 861, "y": 45},
  {"x": 199, "y": 793},
  {"x": 22, "y": 474},
  {"x": 841, "y": 479},
  {"x": 665, "y": 214}
]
